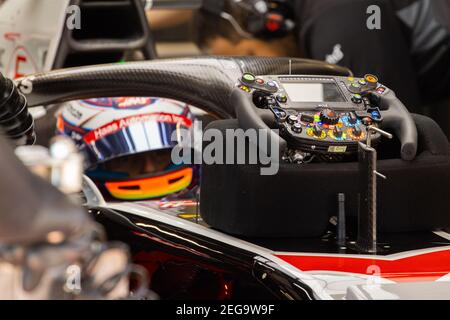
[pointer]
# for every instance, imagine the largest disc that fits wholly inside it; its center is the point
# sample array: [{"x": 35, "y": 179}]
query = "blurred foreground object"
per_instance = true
[
  {"x": 61, "y": 164},
  {"x": 16, "y": 122},
  {"x": 49, "y": 247},
  {"x": 83, "y": 268}
]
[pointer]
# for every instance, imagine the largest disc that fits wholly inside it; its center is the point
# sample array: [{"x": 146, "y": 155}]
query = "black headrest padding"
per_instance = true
[
  {"x": 431, "y": 137},
  {"x": 300, "y": 199}
]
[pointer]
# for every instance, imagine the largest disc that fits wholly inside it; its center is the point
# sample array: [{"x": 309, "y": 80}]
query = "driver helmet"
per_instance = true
[{"x": 127, "y": 143}]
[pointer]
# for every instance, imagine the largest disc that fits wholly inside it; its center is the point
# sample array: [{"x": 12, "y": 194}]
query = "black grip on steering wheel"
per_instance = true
[
  {"x": 398, "y": 119},
  {"x": 249, "y": 119}
]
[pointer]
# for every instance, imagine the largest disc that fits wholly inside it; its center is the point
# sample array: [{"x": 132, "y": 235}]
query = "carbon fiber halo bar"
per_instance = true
[{"x": 206, "y": 83}]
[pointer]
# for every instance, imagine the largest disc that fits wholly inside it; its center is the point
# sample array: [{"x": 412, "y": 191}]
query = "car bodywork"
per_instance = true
[{"x": 170, "y": 239}]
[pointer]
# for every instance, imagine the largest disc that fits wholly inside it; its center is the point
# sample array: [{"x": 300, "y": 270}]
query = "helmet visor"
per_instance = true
[
  {"x": 134, "y": 135},
  {"x": 155, "y": 186}
]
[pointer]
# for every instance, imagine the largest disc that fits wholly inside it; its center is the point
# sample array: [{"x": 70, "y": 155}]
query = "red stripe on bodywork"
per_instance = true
[
  {"x": 421, "y": 267},
  {"x": 11, "y": 36}
]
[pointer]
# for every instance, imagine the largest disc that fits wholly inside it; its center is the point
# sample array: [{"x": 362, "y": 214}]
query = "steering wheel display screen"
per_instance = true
[{"x": 313, "y": 92}]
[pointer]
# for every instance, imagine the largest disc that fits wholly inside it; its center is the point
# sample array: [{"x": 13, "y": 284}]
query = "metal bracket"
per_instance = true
[{"x": 367, "y": 211}]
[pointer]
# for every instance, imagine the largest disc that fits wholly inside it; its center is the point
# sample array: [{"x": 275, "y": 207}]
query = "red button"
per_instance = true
[{"x": 274, "y": 22}]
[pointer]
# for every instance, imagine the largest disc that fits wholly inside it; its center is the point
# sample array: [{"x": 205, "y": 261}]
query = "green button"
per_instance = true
[
  {"x": 248, "y": 77},
  {"x": 282, "y": 98},
  {"x": 357, "y": 98}
]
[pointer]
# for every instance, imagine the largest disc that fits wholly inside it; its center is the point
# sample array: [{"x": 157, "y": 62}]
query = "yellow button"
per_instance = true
[{"x": 244, "y": 88}]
